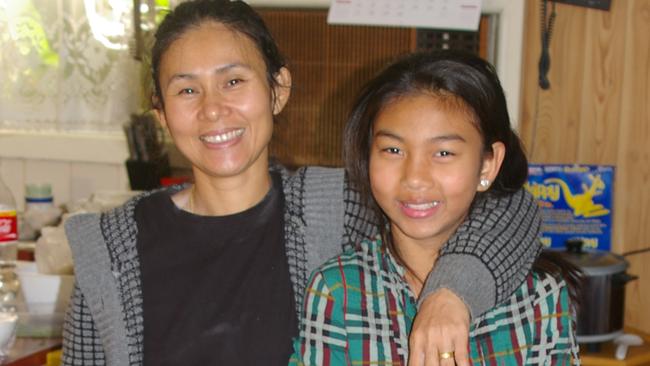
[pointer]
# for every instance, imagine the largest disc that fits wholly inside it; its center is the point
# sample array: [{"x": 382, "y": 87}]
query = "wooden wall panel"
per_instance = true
[
  {"x": 597, "y": 112},
  {"x": 547, "y": 107},
  {"x": 602, "y": 74},
  {"x": 633, "y": 155},
  {"x": 633, "y": 159}
]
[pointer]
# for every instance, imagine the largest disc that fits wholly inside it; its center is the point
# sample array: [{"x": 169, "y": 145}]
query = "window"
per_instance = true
[{"x": 66, "y": 65}]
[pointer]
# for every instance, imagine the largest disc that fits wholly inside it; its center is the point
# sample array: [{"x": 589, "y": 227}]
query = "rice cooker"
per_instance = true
[{"x": 601, "y": 310}]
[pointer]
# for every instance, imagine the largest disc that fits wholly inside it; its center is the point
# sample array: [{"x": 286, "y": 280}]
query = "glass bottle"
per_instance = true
[{"x": 8, "y": 224}]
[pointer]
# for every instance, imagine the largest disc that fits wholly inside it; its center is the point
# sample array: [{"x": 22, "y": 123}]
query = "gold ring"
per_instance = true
[{"x": 446, "y": 355}]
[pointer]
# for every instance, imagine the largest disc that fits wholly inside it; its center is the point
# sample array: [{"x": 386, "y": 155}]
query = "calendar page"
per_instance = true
[{"x": 442, "y": 14}]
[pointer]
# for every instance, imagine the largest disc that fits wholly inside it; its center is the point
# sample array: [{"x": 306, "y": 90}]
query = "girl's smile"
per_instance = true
[{"x": 417, "y": 210}]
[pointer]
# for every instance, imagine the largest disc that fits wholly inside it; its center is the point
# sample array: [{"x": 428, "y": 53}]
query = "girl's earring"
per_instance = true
[{"x": 484, "y": 183}]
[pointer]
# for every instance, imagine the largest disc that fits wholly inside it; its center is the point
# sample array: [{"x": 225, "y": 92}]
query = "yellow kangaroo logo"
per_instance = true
[{"x": 583, "y": 203}]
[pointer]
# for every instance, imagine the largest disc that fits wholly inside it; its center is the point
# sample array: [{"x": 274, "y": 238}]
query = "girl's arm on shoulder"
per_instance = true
[{"x": 323, "y": 337}]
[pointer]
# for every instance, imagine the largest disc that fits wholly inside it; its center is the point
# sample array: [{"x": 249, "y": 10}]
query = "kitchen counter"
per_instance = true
[
  {"x": 636, "y": 355},
  {"x": 31, "y": 351}
]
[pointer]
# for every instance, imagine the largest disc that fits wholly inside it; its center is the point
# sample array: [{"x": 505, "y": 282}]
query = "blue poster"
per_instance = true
[{"x": 576, "y": 203}]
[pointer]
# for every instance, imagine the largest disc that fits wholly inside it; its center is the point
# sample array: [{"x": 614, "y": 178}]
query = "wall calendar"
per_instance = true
[{"x": 440, "y": 14}]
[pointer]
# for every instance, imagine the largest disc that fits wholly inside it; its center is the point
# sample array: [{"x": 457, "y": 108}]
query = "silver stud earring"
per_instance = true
[{"x": 484, "y": 183}]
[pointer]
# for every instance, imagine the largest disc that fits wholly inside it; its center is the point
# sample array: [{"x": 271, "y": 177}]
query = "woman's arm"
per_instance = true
[
  {"x": 487, "y": 258},
  {"x": 81, "y": 343},
  {"x": 491, "y": 253}
]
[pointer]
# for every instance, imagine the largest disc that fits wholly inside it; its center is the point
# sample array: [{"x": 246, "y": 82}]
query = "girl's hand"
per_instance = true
[{"x": 440, "y": 328}]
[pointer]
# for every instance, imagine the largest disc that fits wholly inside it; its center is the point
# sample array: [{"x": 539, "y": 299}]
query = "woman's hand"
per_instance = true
[{"x": 440, "y": 332}]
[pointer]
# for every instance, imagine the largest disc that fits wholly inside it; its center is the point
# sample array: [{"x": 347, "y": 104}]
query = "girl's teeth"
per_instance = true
[
  {"x": 422, "y": 206},
  {"x": 224, "y": 137}
]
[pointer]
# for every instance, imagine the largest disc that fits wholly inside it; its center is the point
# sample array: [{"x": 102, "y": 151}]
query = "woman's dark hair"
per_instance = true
[
  {"x": 469, "y": 82},
  {"x": 236, "y": 15}
]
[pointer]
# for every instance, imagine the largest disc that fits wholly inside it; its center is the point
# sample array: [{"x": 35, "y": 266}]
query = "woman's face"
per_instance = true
[
  {"x": 425, "y": 166},
  {"x": 217, "y": 100}
]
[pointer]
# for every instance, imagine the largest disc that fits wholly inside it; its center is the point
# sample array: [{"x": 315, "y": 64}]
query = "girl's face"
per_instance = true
[
  {"x": 217, "y": 100},
  {"x": 425, "y": 166}
]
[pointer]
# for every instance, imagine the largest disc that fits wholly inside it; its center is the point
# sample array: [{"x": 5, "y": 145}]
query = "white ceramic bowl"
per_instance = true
[{"x": 44, "y": 293}]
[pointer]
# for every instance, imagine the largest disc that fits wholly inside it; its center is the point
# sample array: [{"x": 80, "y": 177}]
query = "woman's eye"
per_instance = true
[
  {"x": 187, "y": 91},
  {"x": 444, "y": 153}
]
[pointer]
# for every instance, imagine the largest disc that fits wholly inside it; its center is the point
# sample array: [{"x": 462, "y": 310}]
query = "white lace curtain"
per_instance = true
[{"x": 65, "y": 65}]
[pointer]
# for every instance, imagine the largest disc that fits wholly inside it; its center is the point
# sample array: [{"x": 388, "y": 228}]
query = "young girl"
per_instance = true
[
  {"x": 429, "y": 138},
  {"x": 214, "y": 273}
]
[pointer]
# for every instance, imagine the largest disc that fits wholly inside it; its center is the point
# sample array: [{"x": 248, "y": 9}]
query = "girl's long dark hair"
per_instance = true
[{"x": 553, "y": 263}]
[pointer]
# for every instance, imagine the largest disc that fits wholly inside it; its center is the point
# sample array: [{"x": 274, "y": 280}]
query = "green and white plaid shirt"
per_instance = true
[{"x": 358, "y": 310}]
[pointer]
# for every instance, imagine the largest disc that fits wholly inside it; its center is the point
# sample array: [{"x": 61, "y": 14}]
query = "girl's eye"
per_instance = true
[
  {"x": 392, "y": 150},
  {"x": 234, "y": 82},
  {"x": 444, "y": 153}
]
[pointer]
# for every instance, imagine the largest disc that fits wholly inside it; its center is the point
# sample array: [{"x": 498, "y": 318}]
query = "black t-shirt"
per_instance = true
[{"x": 216, "y": 290}]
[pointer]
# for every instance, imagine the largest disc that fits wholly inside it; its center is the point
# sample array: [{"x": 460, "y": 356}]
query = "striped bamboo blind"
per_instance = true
[{"x": 329, "y": 64}]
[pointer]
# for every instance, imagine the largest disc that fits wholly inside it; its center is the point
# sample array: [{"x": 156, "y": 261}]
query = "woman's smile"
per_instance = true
[{"x": 222, "y": 138}]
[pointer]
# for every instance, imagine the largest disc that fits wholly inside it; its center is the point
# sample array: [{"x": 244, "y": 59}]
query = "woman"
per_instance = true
[
  {"x": 428, "y": 138},
  {"x": 214, "y": 273}
]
